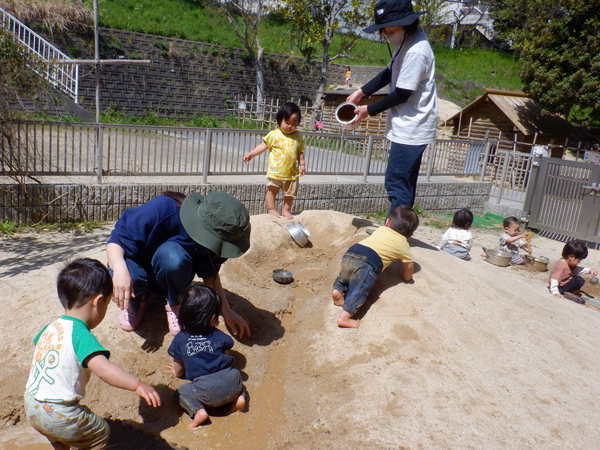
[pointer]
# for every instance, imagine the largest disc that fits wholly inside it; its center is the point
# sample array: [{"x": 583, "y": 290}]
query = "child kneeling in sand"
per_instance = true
[
  {"x": 66, "y": 352},
  {"x": 364, "y": 261},
  {"x": 199, "y": 354},
  {"x": 565, "y": 280}
]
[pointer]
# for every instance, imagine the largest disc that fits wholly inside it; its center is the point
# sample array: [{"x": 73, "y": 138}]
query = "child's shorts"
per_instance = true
[
  {"x": 69, "y": 424},
  {"x": 289, "y": 187}
]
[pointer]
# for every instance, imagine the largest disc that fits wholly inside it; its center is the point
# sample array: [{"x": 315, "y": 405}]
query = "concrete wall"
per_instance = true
[
  {"x": 187, "y": 78},
  {"x": 69, "y": 203}
]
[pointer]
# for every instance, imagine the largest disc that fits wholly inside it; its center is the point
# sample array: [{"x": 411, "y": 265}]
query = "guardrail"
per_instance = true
[
  {"x": 70, "y": 149},
  {"x": 64, "y": 76}
]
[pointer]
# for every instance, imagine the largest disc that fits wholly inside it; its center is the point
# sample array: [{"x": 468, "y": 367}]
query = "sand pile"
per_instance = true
[{"x": 469, "y": 356}]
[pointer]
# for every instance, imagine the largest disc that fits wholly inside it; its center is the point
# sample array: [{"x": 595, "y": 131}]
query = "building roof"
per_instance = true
[{"x": 525, "y": 114}]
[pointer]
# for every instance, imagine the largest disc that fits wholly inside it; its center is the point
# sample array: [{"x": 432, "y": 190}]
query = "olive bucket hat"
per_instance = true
[
  {"x": 217, "y": 221},
  {"x": 392, "y": 13}
]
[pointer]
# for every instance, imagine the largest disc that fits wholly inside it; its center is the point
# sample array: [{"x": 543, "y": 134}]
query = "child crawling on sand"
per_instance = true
[
  {"x": 199, "y": 354},
  {"x": 66, "y": 353},
  {"x": 565, "y": 280},
  {"x": 364, "y": 261}
]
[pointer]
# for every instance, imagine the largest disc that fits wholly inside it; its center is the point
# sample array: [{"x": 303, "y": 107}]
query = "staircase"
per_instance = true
[{"x": 64, "y": 77}]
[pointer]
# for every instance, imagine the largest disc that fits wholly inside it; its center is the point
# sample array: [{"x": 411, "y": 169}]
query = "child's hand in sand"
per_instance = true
[
  {"x": 148, "y": 393},
  {"x": 559, "y": 295},
  {"x": 176, "y": 369}
]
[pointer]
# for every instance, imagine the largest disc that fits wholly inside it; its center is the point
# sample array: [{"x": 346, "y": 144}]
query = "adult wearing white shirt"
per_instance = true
[{"x": 411, "y": 104}]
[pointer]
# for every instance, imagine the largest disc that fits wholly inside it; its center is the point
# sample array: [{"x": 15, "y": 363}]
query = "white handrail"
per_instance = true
[{"x": 64, "y": 76}]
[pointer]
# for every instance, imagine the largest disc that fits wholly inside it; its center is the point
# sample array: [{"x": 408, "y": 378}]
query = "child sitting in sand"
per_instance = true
[
  {"x": 458, "y": 240},
  {"x": 199, "y": 354},
  {"x": 511, "y": 241},
  {"x": 565, "y": 279},
  {"x": 286, "y": 159},
  {"x": 66, "y": 352},
  {"x": 364, "y": 261}
]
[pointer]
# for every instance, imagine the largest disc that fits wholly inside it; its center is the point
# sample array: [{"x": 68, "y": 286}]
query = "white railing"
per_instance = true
[{"x": 64, "y": 76}]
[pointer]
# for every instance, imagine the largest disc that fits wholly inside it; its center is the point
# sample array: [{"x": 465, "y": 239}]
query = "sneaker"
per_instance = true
[
  {"x": 172, "y": 320},
  {"x": 129, "y": 319}
]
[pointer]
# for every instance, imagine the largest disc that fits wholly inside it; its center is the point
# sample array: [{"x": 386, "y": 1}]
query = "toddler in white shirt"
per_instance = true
[{"x": 458, "y": 240}]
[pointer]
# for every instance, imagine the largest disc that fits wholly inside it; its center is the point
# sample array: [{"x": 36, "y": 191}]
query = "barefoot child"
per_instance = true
[
  {"x": 199, "y": 354},
  {"x": 286, "y": 158},
  {"x": 66, "y": 352},
  {"x": 565, "y": 279},
  {"x": 511, "y": 241},
  {"x": 364, "y": 261}
]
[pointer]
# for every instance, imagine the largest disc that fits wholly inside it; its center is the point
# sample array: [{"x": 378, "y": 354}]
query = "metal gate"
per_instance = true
[{"x": 563, "y": 198}]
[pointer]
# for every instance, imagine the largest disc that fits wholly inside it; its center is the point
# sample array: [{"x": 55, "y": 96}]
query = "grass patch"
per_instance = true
[
  {"x": 488, "y": 220},
  {"x": 9, "y": 228},
  {"x": 187, "y": 19}
]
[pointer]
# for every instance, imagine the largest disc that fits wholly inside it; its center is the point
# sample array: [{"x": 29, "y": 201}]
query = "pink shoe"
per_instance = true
[
  {"x": 172, "y": 320},
  {"x": 130, "y": 320}
]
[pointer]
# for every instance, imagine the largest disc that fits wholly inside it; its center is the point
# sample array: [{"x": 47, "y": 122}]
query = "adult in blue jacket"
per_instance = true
[{"x": 160, "y": 246}]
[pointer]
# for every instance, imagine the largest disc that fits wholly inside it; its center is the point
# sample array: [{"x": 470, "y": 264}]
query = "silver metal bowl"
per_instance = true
[
  {"x": 299, "y": 233},
  {"x": 497, "y": 257},
  {"x": 283, "y": 276},
  {"x": 541, "y": 263}
]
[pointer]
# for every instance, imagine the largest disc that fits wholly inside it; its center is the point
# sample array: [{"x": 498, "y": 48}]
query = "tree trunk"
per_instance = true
[{"x": 260, "y": 81}]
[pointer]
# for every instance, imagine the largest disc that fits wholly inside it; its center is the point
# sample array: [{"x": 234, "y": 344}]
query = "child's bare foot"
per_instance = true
[
  {"x": 345, "y": 321},
  {"x": 200, "y": 416},
  {"x": 287, "y": 215},
  {"x": 239, "y": 404},
  {"x": 338, "y": 299},
  {"x": 274, "y": 212}
]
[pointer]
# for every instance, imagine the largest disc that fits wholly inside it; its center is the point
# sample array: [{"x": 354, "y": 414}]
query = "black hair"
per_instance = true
[
  {"x": 179, "y": 197},
  {"x": 576, "y": 248},
  {"x": 82, "y": 279},
  {"x": 286, "y": 111},
  {"x": 412, "y": 28},
  {"x": 463, "y": 219},
  {"x": 509, "y": 221},
  {"x": 403, "y": 220},
  {"x": 199, "y": 303}
]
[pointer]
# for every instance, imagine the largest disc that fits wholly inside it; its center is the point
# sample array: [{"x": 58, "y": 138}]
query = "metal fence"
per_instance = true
[
  {"x": 64, "y": 76},
  {"x": 105, "y": 150}
]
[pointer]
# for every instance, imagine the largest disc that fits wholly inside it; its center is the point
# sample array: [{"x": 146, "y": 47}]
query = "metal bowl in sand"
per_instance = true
[
  {"x": 283, "y": 276},
  {"x": 299, "y": 233}
]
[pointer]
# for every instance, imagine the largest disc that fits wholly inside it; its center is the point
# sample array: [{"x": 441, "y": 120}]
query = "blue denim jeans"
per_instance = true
[
  {"x": 358, "y": 274},
  {"x": 402, "y": 173},
  {"x": 170, "y": 272},
  {"x": 215, "y": 389},
  {"x": 574, "y": 284}
]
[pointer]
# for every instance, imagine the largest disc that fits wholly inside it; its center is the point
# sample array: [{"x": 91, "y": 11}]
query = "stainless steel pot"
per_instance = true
[
  {"x": 497, "y": 257},
  {"x": 299, "y": 233},
  {"x": 540, "y": 263}
]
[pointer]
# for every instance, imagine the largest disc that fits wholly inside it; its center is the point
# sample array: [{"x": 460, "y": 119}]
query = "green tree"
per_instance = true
[
  {"x": 314, "y": 23},
  {"x": 244, "y": 18},
  {"x": 560, "y": 57}
]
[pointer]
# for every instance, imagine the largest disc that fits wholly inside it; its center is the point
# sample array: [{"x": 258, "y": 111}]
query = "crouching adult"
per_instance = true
[{"x": 160, "y": 246}]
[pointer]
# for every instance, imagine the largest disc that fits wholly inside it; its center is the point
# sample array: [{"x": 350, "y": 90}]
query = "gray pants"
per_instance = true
[{"x": 215, "y": 389}]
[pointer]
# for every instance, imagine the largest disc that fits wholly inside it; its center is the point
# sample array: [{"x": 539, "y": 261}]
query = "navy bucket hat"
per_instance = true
[{"x": 393, "y": 13}]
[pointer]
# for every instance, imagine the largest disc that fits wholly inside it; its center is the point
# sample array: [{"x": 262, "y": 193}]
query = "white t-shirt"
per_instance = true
[
  {"x": 57, "y": 374},
  {"x": 413, "y": 67},
  {"x": 456, "y": 236}
]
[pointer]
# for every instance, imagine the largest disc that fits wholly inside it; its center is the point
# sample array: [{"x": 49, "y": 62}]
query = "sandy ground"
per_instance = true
[{"x": 469, "y": 356}]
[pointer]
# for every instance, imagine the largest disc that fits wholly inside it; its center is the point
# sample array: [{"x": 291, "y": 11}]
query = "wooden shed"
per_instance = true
[
  {"x": 515, "y": 120},
  {"x": 374, "y": 126}
]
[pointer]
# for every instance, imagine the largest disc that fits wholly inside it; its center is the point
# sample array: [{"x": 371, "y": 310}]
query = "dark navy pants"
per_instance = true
[{"x": 402, "y": 173}]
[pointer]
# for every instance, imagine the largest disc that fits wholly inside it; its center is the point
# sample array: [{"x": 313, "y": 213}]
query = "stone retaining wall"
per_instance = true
[
  {"x": 75, "y": 203},
  {"x": 187, "y": 78}
]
